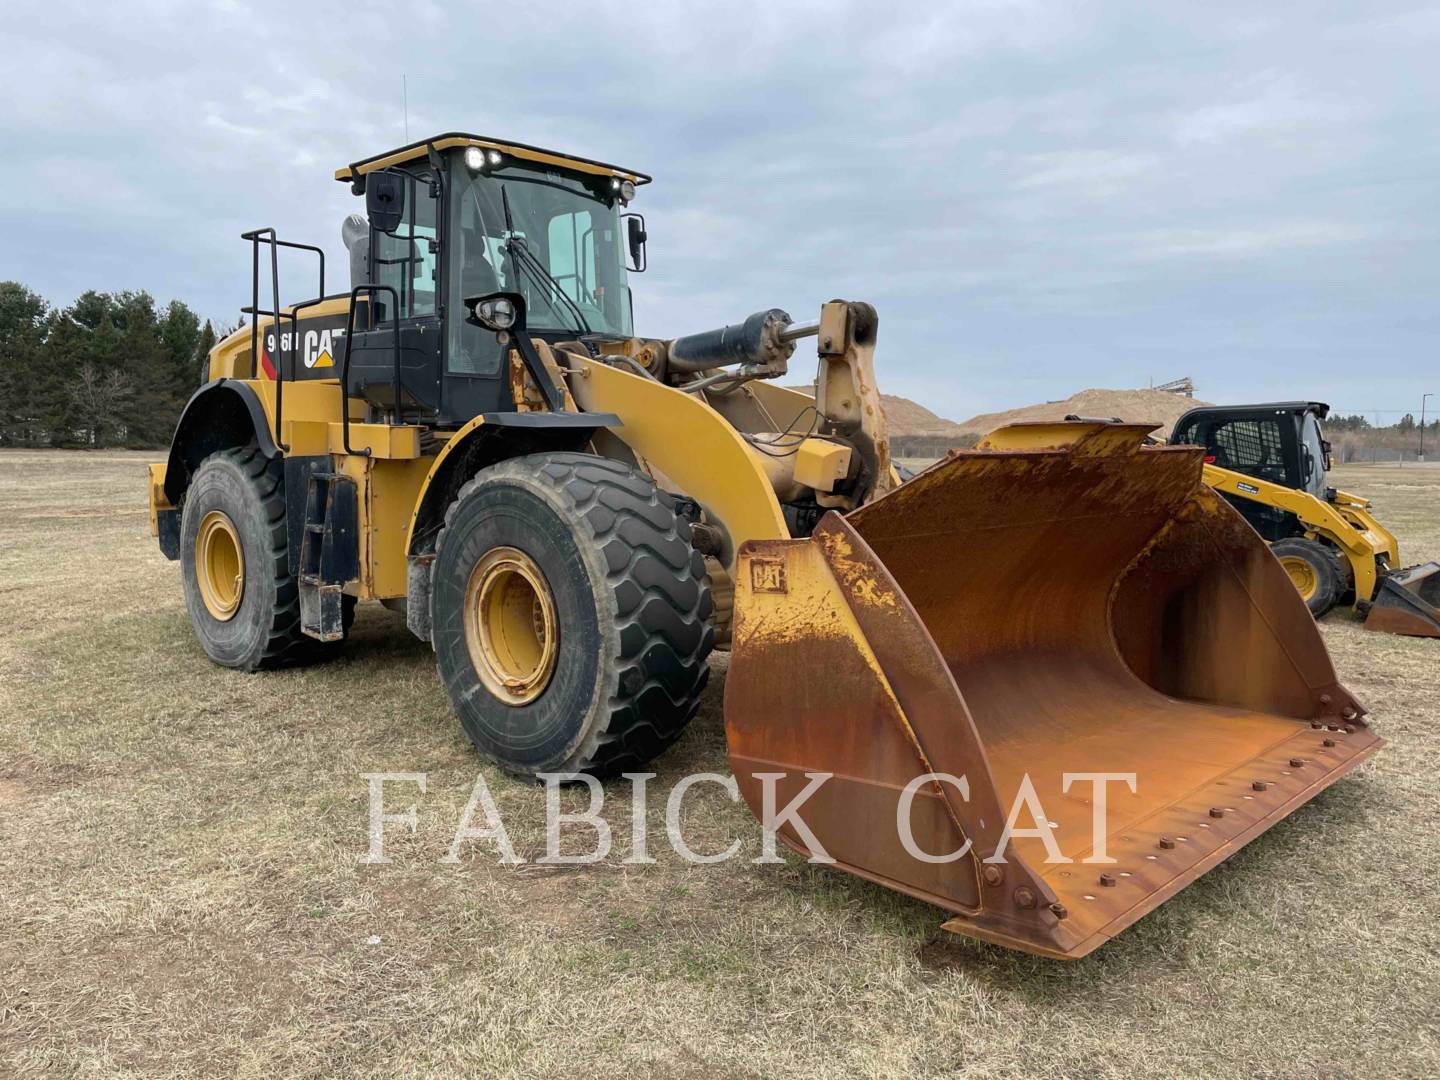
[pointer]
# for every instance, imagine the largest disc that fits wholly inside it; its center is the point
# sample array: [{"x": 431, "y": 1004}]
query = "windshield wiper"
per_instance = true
[
  {"x": 524, "y": 259},
  {"x": 535, "y": 267}
]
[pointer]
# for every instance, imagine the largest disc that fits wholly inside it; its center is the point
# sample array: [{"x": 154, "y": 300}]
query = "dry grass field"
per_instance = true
[{"x": 180, "y": 892}]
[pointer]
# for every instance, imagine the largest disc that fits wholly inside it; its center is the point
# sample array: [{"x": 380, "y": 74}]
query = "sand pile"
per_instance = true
[
  {"x": 1149, "y": 406},
  {"x": 906, "y": 417}
]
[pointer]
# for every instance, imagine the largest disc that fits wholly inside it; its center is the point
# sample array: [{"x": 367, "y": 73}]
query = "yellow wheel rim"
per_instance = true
[
  {"x": 510, "y": 625},
  {"x": 1302, "y": 575},
  {"x": 219, "y": 565}
]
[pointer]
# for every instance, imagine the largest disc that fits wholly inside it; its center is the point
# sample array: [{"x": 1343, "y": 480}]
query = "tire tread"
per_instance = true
[
  {"x": 663, "y": 633},
  {"x": 286, "y": 644}
]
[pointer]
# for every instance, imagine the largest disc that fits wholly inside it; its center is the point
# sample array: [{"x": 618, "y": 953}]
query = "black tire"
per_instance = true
[
  {"x": 264, "y": 631},
  {"x": 630, "y": 603},
  {"x": 1344, "y": 577},
  {"x": 1315, "y": 565}
]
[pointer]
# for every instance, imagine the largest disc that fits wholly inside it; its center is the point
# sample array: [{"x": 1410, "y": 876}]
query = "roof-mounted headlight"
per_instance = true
[{"x": 478, "y": 159}]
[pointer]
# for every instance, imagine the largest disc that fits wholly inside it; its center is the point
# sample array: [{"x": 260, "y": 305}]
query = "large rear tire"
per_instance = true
[
  {"x": 569, "y": 613},
  {"x": 243, "y": 602},
  {"x": 1313, "y": 571}
]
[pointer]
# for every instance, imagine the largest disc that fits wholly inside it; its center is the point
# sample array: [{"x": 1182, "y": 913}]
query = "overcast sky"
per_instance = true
[{"x": 1037, "y": 197}]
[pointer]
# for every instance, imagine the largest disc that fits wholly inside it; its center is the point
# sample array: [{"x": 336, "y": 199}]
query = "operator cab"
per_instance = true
[
  {"x": 1278, "y": 442},
  {"x": 457, "y": 216}
]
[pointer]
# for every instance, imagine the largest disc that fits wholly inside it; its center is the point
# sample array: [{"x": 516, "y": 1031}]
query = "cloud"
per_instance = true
[
  {"x": 1037, "y": 197},
  {"x": 1086, "y": 174},
  {"x": 1252, "y": 243},
  {"x": 1269, "y": 106}
]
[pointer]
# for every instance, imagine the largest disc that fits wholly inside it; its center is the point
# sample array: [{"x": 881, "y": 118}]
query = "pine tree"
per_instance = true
[
  {"x": 23, "y": 317},
  {"x": 208, "y": 337},
  {"x": 110, "y": 369}
]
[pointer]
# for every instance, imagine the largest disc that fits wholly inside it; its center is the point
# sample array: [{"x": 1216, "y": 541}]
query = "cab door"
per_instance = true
[{"x": 409, "y": 262}]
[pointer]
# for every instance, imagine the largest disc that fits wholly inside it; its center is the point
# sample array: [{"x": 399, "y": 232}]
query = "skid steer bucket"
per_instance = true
[
  {"x": 1408, "y": 602},
  {"x": 1013, "y": 618}
]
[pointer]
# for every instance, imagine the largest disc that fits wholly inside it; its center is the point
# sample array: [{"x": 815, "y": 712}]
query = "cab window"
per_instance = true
[
  {"x": 570, "y": 242},
  {"x": 1252, "y": 446},
  {"x": 1312, "y": 456},
  {"x": 407, "y": 260}
]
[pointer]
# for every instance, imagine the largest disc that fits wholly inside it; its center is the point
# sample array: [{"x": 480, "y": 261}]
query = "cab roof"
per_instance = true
[
  {"x": 1319, "y": 408},
  {"x": 1294, "y": 408},
  {"x": 452, "y": 139}
]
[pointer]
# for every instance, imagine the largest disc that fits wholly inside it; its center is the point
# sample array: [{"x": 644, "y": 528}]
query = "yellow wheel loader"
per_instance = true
[
  {"x": 1272, "y": 462},
  {"x": 926, "y": 679}
]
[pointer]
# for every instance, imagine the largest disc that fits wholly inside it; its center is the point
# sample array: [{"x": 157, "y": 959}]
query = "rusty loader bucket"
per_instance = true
[
  {"x": 1014, "y": 618},
  {"x": 1407, "y": 602}
]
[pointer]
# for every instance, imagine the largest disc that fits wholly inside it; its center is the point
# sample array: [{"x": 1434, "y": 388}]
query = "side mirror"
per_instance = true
[
  {"x": 500, "y": 312},
  {"x": 636, "y": 236},
  {"x": 385, "y": 200}
]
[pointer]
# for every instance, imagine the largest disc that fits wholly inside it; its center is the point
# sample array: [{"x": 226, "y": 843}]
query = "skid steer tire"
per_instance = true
[
  {"x": 234, "y": 516},
  {"x": 1313, "y": 570},
  {"x": 569, "y": 614},
  {"x": 1344, "y": 578}
]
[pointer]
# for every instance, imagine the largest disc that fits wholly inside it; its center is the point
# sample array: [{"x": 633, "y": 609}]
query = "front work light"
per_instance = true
[{"x": 494, "y": 313}]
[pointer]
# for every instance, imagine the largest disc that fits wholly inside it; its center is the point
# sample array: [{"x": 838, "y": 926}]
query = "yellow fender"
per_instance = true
[
  {"x": 691, "y": 444},
  {"x": 1357, "y": 511},
  {"x": 1360, "y": 544},
  {"x": 456, "y": 440}
]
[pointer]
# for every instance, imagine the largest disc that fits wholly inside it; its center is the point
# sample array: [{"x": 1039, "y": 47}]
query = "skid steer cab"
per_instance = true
[
  {"x": 1272, "y": 463},
  {"x": 573, "y": 516}
]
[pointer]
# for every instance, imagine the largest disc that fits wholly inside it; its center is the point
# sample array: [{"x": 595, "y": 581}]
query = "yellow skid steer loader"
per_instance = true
[
  {"x": 1271, "y": 462},
  {"x": 930, "y": 682}
]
